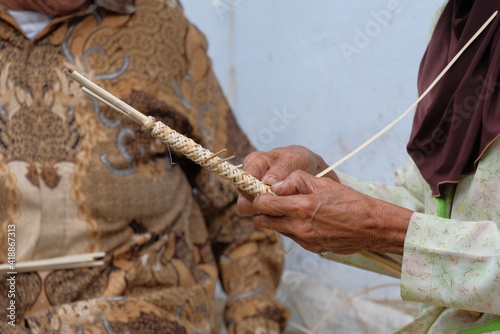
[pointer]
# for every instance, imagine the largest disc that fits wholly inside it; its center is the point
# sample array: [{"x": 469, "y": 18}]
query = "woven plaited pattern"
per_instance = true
[{"x": 205, "y": 158}]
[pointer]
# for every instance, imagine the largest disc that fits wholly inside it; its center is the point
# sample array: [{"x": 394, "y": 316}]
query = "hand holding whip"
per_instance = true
[{"x": 200, "y": 155}]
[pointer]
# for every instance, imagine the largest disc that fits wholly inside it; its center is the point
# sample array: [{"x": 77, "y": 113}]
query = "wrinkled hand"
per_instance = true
[
  {"x": 325, "y": 216},
  {"x": 275, "y": 165}
]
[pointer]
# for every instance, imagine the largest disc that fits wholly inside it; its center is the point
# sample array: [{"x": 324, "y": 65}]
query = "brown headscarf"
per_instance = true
[{"x": 460, "y": 117}]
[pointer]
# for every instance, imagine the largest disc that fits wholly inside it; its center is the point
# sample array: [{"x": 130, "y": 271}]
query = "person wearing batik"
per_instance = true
[
  {"x": 443, "y": 214},
  {"x": 76, "y": 177}
]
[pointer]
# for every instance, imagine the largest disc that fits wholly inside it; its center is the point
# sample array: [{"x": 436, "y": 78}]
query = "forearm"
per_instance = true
[
  {"x": 390, "y": 224},
  {"x": 389, "y": 240}
]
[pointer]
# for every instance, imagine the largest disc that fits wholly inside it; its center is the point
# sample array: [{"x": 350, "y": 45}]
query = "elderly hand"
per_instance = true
[
  {"x": 321, "y": 214},
  {"x": 275, "y": 165}
]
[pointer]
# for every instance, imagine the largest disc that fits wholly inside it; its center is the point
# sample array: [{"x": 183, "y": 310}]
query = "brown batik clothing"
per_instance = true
[{"x": 76, "y": 177}]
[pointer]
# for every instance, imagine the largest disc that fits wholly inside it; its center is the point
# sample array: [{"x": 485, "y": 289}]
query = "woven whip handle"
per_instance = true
[{"x": 205, "y": 158}]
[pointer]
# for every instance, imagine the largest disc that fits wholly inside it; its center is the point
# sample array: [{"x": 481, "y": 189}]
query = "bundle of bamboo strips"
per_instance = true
[{"x": 58, "y": 263}]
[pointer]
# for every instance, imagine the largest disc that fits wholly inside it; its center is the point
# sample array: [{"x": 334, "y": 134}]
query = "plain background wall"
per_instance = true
[{"x": 326, "y": 74}]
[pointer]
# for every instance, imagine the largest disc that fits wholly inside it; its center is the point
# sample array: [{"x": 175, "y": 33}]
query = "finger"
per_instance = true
[
  {"x": 284, "y": 206},
  {"x": 278, "y": 224},
  {"x": 256, "y": 164},
  {"x": 286, "y": 161},
  {"x": 299, "y": 182},
  {"x": 245, "y": 206},
  {"x": 310, "y": 246},
  {"x": 243, "y": 193},
  {"x": 265, "y": 166},
  {"x": 277, "y": 164},
  {"x": 276, "y": 173}
]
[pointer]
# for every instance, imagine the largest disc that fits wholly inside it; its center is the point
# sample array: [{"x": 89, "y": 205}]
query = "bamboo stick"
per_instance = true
[{"x": 58, "y": 263}]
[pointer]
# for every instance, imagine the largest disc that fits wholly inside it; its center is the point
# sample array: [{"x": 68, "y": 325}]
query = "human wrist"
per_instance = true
[{"x": 392, "y": 222}]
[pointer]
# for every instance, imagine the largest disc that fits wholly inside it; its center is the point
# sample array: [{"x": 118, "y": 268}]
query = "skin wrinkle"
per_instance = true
[
  {"x": 321, "y": 214},
  {"x": 313, "y": 217}
]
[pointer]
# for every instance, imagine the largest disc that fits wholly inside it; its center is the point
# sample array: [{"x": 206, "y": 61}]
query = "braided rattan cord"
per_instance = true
[{"x": 206, "y": 159}]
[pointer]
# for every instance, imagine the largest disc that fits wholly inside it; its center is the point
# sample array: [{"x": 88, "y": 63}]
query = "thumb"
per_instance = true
[
  {"x": 276, "y": 173},
  {"x": 299, "y": 182}
]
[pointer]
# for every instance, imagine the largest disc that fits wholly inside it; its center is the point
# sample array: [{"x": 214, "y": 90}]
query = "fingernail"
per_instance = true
[
  {"x": 270, "y": 181},
  {"x": 276, "y": 185}
]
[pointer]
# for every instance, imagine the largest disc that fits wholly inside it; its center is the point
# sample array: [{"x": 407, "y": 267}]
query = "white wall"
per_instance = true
[
  {"x": 327, "y": 74},
  {"x": 286, "y": 56}
]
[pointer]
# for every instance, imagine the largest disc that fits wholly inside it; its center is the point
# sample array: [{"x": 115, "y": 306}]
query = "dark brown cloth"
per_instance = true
[{"x": 460, "y": 117}]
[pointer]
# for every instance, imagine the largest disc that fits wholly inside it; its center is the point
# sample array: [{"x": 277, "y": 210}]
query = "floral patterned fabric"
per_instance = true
[{"x": 452, "y": 265}]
